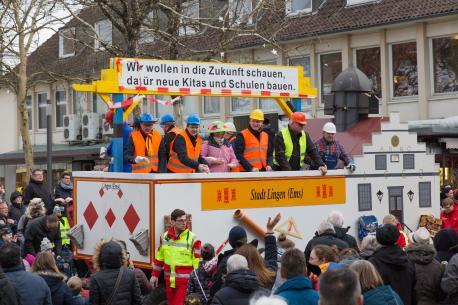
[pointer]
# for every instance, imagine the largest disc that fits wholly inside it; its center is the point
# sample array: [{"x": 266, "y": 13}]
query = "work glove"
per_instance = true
[
  {"x": 140, "y": 159},
  {"x": 103, "y": 152},
  {"x": 351, "y": 167}
]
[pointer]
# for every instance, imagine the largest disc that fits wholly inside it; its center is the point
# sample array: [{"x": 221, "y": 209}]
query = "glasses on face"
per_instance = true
[{"x": 181, "y": 220}]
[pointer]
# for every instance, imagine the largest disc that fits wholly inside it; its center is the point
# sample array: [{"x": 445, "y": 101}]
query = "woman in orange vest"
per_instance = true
[
  {"x": 145, "y": 149},
  {"x": 185, "y": 149},
  {"x": 252, "y": 146}
]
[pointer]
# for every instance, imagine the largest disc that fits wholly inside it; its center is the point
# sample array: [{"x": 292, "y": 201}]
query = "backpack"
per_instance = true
[{"x": 366, "y": 226}]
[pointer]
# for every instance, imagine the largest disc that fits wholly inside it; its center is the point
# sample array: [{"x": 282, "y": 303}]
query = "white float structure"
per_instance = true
[{"x": 394, "y": 175}]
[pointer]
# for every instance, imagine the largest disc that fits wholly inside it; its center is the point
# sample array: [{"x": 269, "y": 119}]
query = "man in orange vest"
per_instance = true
[
  {"x": 167, "y": 124},
  {"x": 252, "y": 146},
  {"x": 185, "y": 149},
  {"x": 145, "y": 149}
]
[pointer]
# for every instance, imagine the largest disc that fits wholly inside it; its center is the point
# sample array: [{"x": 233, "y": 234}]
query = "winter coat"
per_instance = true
[
  {"x": 210, "y": 150},
  {"x": 200, "y": 277},
  {"x": 143, "y": 283},
  {"x": 103, "y": 283},
  {"x": 450, "y": 220},
  {"x": 342, "y": 233},
  {"x": 449, "y": 282},
  {"x": 382, "y": 295},
  {"x": 79, "y": 300},
  {"x": 35, "y": 232},
  {"x": 60, "y": 293},
  {"x": 15, "y": 210},
  {"x": 63, "y": 190},
  {"x": 298, "y": 291},
  {"x": 8, "y": 293},
  {"x": 32, "y": 288},
  {"x": 240, "y": 286},
  {"x": 327, "y": 239},
  {"x": 396, "y": 270},
  {"x": 36, "y": 189},
  {"x": 221, "y": 271},
  {"x": 428, "y": 273},
  {"x": 446, "y": 244}
]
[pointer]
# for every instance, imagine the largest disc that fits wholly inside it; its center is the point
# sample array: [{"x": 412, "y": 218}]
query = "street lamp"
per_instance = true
[
  {"x": 410, "y": 194},
  {"x": 379, "y": 196}
]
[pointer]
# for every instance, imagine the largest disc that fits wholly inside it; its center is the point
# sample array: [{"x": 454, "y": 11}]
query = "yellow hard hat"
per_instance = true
[{"x": 257, "y": 114}]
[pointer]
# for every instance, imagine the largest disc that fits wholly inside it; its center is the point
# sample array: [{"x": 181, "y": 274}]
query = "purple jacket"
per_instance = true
[{"x": 212, "y": 150}]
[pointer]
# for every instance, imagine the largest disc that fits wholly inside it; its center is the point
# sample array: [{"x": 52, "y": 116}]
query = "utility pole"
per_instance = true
[{"x": 49, "y": 143}]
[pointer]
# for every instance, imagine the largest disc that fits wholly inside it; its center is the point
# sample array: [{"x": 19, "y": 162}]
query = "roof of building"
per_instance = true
[
  {"x": 331, "y": 16},
  {"x": 353, "y": 138},
  {"x": 59, "y": 152}
]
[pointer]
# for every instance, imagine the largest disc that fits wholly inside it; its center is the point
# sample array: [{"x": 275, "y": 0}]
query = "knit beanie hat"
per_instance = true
[
  {"x": 237, "y": 236},
  {"x": 387, "y": 234},
  {"x": 45, "y": 245}
]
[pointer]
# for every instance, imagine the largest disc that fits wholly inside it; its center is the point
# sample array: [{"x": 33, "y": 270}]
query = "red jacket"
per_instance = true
[
  {"x": 402, "y": 239},
  {"x": 450, "y": 220}
]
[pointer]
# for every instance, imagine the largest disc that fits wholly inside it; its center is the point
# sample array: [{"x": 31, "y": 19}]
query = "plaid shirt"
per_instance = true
[{"x": 333, "y": 148}]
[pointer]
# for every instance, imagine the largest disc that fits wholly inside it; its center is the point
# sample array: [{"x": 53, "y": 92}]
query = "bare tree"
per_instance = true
[
  {"x": 176, "y": 29},
  {"x": 21, "y": 22}
]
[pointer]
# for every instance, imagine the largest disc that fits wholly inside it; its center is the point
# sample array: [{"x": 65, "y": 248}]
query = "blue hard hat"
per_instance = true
[
  {"x": 193, "y": 119},
  {"x": 167, "y": 118},
  {"x": 147, "y": 118}
]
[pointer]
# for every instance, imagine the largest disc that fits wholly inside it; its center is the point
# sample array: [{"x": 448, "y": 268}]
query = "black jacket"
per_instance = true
[
  {"x": 102, "y": 285},
  {"x": 35, "y": 231},
  {"x": 326, "y": 239},
  {"x": 239, "y": 148},
  {"x": 8, "y": 294},
  {"x": 396, "y": 270},
  {"x": 239, "y": 287},
  {"x": 294, "y": 161},
  {"x": 129, "y": 158},
  {"x": 449, "y": 282},
  {"x": 343, "y": 235},
  {"x": 63, "y": 192},
  {"x": 446, "y": 244},
  {"x": 179, "y": 146},
  {"x": 37, "y": 189},
  {"x": 168, "y": 139},
  {"x": 60, "y": 293},
  {"x": 428, "y": 273}
]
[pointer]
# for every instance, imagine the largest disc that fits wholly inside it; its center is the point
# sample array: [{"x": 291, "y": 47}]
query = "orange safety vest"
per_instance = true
[
  {"x": 150, "y": 151},
  {"x": 174, "y": 164},
  {"x": 255, "y": 151},
  {"x": 176, "y": 131}
]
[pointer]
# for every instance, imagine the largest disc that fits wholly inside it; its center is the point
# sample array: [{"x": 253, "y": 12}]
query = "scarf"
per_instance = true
[{"x": 67, "y": 187}]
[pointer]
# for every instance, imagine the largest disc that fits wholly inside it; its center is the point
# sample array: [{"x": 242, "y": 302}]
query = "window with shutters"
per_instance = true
[
  {"x": 424, "y": 194},
  {"x": 380, "y": 162},
  {"x": 294, "y": 7},
  {"x": 28, "y": 102},
  {"x": 188, "y": 24},
  {"x": 66, "y": 42},
  {"x": 61, "y": 107},
  {"x": 104, "y": 34},
  {"x": 408, "y": 161},
  {"x": 240, "y": 11},
  {"x": 364, "y": 197}
]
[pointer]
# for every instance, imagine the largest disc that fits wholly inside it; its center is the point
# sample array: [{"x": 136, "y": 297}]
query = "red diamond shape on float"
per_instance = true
[
  {"x": 131, "y": 218},
  {"x": 90, "y": 214},
  {"x": 110, "y": 217},
  {"x": 101, "y": 192},
  {"x": 120, "y": 193}
]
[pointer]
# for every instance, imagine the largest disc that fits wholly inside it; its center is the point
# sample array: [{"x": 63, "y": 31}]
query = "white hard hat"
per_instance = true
[
  {"x": 329, "y": 127},
  {"x": 230, "y": 127}
]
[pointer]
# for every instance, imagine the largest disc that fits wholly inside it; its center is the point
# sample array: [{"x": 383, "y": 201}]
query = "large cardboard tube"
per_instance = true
[{"x": 249, "y": 223}]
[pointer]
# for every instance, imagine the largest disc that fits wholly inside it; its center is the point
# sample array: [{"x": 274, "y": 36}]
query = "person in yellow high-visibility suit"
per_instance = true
[{"x": 178, "y": 255}]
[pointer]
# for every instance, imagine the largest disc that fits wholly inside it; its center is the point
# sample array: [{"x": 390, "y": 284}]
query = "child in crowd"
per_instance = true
[
  {"x": 326, "y": 258},
  {"x": 75, "y": 285},
  {"x": 200, "y": 281}
]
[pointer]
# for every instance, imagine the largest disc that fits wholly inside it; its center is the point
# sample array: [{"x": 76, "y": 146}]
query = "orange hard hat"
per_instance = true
[{"x": 299, "y": 117}]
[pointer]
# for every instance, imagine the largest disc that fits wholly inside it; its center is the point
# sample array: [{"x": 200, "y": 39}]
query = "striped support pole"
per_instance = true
[{"x": 118, "y": 146}]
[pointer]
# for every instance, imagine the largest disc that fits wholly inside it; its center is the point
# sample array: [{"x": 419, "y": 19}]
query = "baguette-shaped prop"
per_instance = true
[{"x": 249, "y": 223}]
